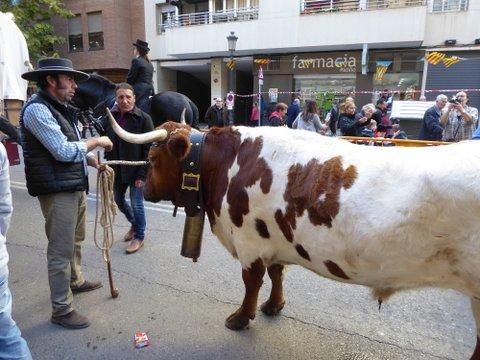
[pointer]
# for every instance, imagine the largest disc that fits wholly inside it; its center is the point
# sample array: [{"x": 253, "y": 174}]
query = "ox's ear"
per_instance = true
[{"x": 178, "y": 145}]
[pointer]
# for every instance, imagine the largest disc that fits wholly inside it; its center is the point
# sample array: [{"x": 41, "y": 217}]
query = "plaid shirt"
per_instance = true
[
  {"x": 41, "y": 123},
  {"x": 456, "y": 121}
]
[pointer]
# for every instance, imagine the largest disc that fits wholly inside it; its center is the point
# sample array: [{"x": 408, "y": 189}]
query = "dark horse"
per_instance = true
[{"x": 98, "y": 93}]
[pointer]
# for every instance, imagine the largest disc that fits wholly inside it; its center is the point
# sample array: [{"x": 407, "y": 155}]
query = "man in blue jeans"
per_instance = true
[
  {"x": 12, "y": 345},
  {"x": 133, "y": 120}
]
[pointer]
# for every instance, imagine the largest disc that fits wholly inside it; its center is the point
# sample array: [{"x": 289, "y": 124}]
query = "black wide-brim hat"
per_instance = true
[
  {"x": 142, "y": 45},
  {"x": 50, "y": 66}
]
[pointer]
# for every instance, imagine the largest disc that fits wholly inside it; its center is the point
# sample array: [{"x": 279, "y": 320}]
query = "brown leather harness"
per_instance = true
[{"x": 191, "y": 188}]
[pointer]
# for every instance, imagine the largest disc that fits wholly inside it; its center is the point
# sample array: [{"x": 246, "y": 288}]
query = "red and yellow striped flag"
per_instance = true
[
  {"x": 262, "y": 61},
  {"x": 230, "y": 64},
  {"x": 447, "y": 62},
  {"x": 434, "y": 57}
]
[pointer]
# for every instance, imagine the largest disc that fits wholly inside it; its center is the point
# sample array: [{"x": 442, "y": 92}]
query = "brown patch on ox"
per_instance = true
[
  {"x": 302, "y": 252},
  {"x": 285, "y": 224},
  {"x": 262, "y": 228},
  {"x": 335, "y": 270},
  {"x": 314, "y": 187},
  {"x": 220, "y": 150},
  {"x": 446, "y": 254},
  {"x": 252, "y": 168}
]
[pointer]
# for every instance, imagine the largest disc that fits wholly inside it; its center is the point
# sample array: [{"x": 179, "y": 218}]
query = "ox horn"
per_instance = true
[
  {"x": 154, "y": 135},
  {"x": 182, "y": 117}
]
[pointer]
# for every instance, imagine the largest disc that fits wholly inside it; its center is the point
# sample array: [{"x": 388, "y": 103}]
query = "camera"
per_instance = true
[{"x": 454, "y": 100}]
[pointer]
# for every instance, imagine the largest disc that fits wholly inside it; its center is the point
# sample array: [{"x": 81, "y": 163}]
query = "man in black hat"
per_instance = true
[
  {"x": 140, "y": 75},
  {"x": 56, "y": 172}
]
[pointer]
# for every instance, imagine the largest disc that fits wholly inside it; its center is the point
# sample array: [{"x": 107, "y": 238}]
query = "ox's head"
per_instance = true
[{"x": 170, "y": 145}]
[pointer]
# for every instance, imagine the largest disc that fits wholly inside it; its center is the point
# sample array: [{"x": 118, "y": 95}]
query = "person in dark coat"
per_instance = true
[
  {"x": 431, "y": 128},
  {"x": 293, "y": 111},
  {"x": 349, "y": 123},
  {"x": 133, "y": 120},
  {"x": 216, "y": 114},
  {"x": 140, "y": 75},
  {"x": 277, "y": 118}
]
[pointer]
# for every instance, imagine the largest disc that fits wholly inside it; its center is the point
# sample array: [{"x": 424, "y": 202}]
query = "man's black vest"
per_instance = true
[{"x": 45, "y": 174}]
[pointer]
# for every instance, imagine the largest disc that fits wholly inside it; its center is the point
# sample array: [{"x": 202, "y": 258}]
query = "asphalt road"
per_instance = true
[{"x": 182, "y": 306}]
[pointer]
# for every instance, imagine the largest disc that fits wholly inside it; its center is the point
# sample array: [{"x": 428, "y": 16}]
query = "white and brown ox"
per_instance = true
[{"x": 388, "y": 218}]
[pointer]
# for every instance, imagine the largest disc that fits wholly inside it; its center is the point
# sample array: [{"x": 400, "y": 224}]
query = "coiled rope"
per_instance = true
[{"x": 105, "y": 180}]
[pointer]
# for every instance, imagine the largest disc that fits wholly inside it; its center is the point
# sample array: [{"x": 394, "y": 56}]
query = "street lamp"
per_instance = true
[{"x": 232, "y": 42}]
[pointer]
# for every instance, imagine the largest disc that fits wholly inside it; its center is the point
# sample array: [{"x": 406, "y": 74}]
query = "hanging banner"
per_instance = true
[
  {"x": 381, "y": 69},
  {"x": 262, "y": 61},
  {"x": 435, "y": 58},
  {"x": 230, "y": 64},
  {"x": 452, "y": 60}
]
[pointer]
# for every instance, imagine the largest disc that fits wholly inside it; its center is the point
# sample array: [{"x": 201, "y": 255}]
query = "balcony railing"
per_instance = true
[
  {"x": 449, "y": 5},
  {"x": 319, "y": 6},
  {"x": 209, "y": 17}
]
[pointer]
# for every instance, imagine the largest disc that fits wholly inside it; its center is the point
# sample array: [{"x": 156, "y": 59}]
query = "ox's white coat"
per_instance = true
[{"x": 411, "y": 218}]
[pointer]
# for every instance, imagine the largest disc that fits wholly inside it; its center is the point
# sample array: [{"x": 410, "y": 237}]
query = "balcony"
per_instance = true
[
  {"x": 322, "y": 6},
  {"x": 209, "y": 17},
  {"x": 448, "y": 5}
]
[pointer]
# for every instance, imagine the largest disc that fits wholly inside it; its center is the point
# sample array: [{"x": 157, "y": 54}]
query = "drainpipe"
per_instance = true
[{"x": 424, "y": 77}]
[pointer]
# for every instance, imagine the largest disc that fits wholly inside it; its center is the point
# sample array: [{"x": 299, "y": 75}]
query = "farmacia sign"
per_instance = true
[{"x": 344, "y": 64}]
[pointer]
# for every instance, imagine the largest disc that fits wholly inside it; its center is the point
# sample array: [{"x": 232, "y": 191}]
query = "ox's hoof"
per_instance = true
[
  {"x": 271, "y": 309},
  {"x": 237, "y": 321}
]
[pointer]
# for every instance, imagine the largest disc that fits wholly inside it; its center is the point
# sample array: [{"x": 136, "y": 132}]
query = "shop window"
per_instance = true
[
  {"x": 75, "y": 36},
  {"x": 95, "y": 31},
  {"x": 449, "y": 5}
]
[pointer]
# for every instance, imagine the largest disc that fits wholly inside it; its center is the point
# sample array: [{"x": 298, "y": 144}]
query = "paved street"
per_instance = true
[{"x": 182, "y": 306}]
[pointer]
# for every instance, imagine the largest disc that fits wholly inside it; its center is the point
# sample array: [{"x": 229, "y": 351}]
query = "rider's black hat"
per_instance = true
[{"x": 141, "y": 45}]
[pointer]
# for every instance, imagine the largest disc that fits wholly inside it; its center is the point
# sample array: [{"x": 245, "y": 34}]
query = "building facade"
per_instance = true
[
  {"x": 100, "y": 35},
  {"x": 356, "y": 47}
]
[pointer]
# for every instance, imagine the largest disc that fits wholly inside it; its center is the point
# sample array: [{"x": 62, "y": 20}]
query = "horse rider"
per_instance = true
[{"x": 140, "y": 75}]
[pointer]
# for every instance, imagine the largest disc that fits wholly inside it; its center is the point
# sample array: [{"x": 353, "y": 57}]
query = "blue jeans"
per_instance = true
[
  {"x": 12, "y": 345},
  {"x": 134, "y": 212}
]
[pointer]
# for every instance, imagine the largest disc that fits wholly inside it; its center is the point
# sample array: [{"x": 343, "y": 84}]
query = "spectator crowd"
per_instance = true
[{"x": 449, "y": 120}]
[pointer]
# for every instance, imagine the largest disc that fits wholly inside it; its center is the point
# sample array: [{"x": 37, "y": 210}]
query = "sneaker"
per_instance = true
[
  {"x": 134, "y": 246},
  {"x": 129, "y": 235},
  {"x": 86, "y": 286},
  {"x": 72, "y": 320}
]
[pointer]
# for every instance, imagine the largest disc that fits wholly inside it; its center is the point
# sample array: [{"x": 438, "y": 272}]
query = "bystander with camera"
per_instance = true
[{"x": 459, "y": 119}]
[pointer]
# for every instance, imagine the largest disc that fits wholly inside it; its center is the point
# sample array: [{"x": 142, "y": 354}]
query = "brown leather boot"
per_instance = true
[
  {"x": 134, "y": 246},
  {"x": 129, "y": 235},
  {"x": 72, "y": 320}
]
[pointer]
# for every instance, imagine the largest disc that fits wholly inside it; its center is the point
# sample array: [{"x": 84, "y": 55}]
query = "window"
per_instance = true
[
  {"x": 75, "y": 38},
  {"x": 95, "y": 31},
  {"x": 449, "y": 5}
]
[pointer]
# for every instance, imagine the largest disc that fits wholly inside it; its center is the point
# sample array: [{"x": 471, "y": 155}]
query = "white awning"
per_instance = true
[{"x": 14, "y": 59}]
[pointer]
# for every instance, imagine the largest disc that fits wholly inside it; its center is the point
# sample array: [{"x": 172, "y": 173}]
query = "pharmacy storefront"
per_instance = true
[{"x": 312, "y": 74}]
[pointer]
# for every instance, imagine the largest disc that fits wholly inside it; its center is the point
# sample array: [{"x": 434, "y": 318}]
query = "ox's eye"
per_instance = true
[{"x": 155, "y": 144}]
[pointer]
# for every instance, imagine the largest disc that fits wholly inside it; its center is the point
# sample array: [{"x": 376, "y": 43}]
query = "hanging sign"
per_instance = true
[
  {"x": 230, "y": 100},
  {"x": 273, "y": 95}
]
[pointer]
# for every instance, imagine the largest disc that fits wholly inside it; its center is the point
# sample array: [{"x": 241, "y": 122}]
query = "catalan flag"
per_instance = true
[
  {"x": 382, "y": 67},
  {"x": 435, "y": 57},
  {"x": 230, "y": 64},
  {"x": 262, "y": 61},
  {"x": 452, "y": 60}
]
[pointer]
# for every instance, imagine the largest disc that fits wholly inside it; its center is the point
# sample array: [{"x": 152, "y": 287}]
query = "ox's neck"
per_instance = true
[{"x": 220, "y": 151}]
